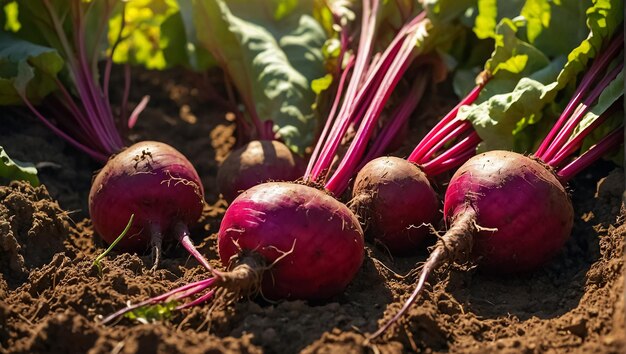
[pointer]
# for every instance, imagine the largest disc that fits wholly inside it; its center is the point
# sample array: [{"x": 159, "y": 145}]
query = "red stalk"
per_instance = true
[
  {"x": 609, "y": 142},
  {"x": 468, "y": 143},
  {"x": 444, "y": 136},
  {"x": 597, "y": 67},
  {"x": 573, "y": 121},
  {"x": 420, "y": 151},
  {"x": 398, "y": 119},
  {"x": 331, "y": 117},
  {"x": 575, "y": 143},
  {"x": 338, "y": 182}
]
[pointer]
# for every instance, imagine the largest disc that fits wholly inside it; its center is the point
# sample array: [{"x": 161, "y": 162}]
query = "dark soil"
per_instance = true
[{"x": 51, "y": 295}]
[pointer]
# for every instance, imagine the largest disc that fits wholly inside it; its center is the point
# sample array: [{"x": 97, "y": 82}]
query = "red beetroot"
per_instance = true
[
  {"x": 153, "y": 181},
  {"x": 257, "y": 162},
  {"x": 396, "y": 201},
  {"x": 517, "y": 213},
  {"x": 321, "y": 239}
]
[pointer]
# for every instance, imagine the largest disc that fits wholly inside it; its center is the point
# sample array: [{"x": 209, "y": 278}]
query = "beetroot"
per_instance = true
[
  {"x": 153, "y": 181},
  {"x": 270, "y": 219},
  {"x": 520, "y": 212},
  {"x": 257, "y": 162},
  {"x": 396, "y": 201}
]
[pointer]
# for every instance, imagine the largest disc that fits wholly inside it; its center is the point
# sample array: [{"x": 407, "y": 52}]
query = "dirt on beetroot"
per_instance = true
[{"x": 52, "y": 297}]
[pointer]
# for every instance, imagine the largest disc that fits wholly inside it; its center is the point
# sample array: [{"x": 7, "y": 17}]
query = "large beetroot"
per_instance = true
[
  {"x": 512, "y": 211},
  {"x": 318, "y": 240}
]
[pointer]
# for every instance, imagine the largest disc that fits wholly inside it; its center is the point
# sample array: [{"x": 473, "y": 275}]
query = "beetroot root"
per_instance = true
[
  {"x": 153, "y": 181},
  {"x": 318, "y": 240},
  {"x": 522, "y": 213},
  {"x": 397, "y": 203}
]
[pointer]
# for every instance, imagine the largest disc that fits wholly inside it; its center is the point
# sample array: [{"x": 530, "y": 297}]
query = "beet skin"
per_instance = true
[
  {"x": 272, "y": 218},
  {"x": 257, "y": 162},
  {"x": 396, "y": 202},
  {"x": 151, "y": 180},
  {"x": 523, "y": 215}
]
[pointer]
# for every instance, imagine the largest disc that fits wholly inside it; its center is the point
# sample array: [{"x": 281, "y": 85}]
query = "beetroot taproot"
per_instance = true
[{"x": 397, "y": 203}]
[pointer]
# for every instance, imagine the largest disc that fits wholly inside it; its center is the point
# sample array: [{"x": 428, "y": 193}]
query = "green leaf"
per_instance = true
[
  {"x": 321, "y": 84},
  {"x": 15, "y": 170},
  {"x": 491, "y": 12},
  {"x": 9, "y": 17},
  {"x": 442, "y": 11},
  {"x": 179, "y": 43},
  {"x": 142, "y": 38},
  {"x": 521, "y": 90},
  {"x": 152, "y": 313},
  {"x": 271, "y": 62},
  {"x": 26, "y": 69}
]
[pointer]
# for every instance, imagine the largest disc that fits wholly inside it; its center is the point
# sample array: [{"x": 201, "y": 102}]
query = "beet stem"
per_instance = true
[
  {"x": 202, "y": 299},
  {"x": 420, "y": 150},
  {"x": 330, "y": 119},
  {"x": 186, "y": 290},
  {"x": 598, "y": 65},
  {"x": 398, "y": 118},
  {"x": 578, "y": 115},
  {"x": 182, "y": 235},
  {"x": 614, "y": 139},
  {"x": 577, "y": 140},
  {"x": 470, "y": 143},
  {"x": 452, "y": 246}
]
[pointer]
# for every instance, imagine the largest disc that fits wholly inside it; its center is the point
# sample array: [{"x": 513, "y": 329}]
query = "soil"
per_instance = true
[{"x": 51, "y": 295}]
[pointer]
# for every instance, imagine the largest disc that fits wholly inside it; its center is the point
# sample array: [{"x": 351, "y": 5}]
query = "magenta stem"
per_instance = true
[
  {"x": 134, "y": 115},
  {"x": 450, "y": 132},
  {"x": 125, "y": 96},
  {"x": 339, "y": 180},
  {"x": 422, "y": 148},
  {"x": 195, "y": 287},
  {"x": 573, "y": 144},
  {"x": 468, "y": 143},
  {"x": 202, "y": 299},
  {"x": 90, "y": 130},
  {"x": 597, "y": 66},
  {"x": 609, "y": 142},
  {"x": 398, "y": 119},
  {"x": 353, "y": 96},
  {"x": 182, "y": 235},
  {"x": 329, "y": 121},
  {"x": 453, "y": 162},
  {"x": 352, "y": 112},
  {"x": 94, "y": 154},
  {"x": 573, "y": 121},
  {"x": 90, "y": 95}
]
